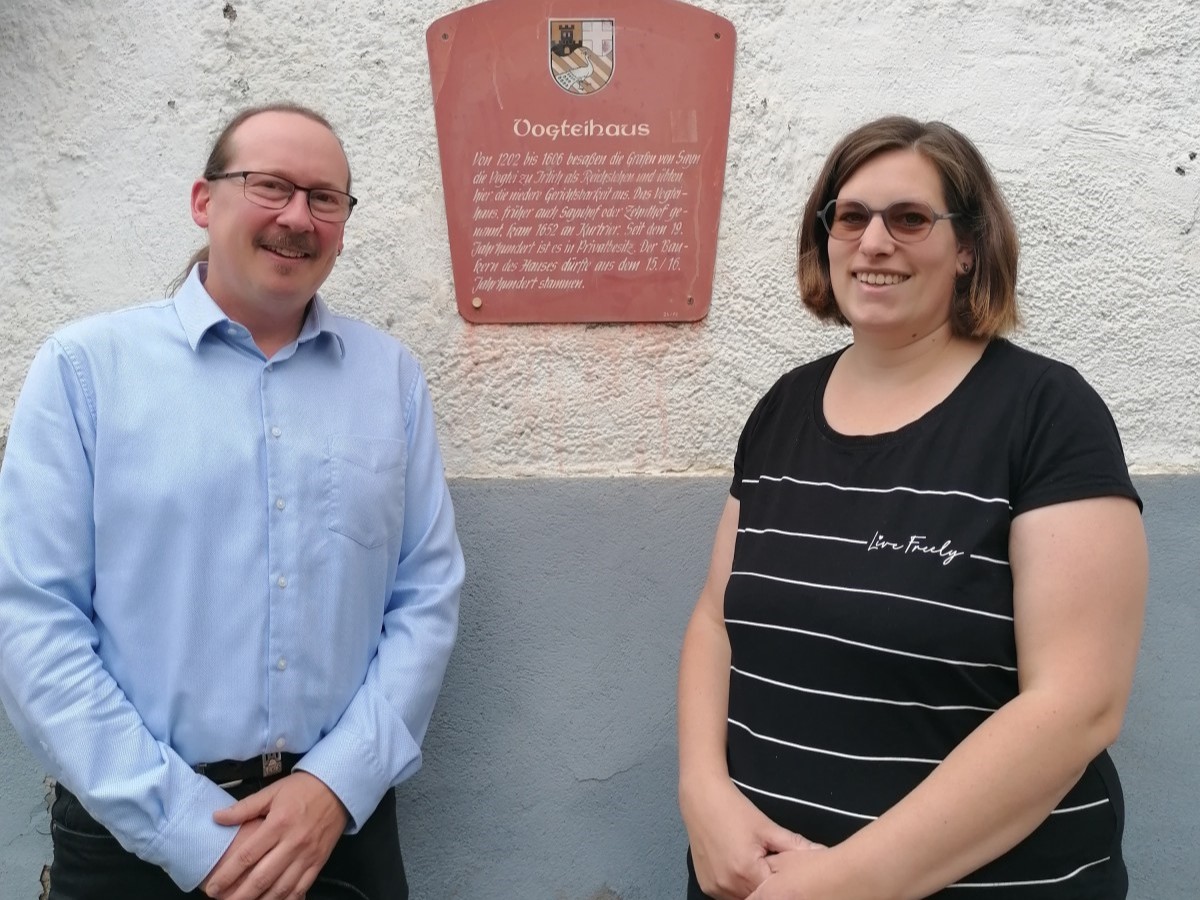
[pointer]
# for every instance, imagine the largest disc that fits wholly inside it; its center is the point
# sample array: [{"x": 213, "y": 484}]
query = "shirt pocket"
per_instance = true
[{"x": 366, "y": 487}]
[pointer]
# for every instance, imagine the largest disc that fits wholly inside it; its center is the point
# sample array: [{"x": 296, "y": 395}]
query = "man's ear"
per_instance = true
[{"x": 201, "y": 197}]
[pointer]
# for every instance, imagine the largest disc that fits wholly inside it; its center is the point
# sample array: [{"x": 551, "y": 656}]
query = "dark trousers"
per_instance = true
[{"x": 89, "y": 864}]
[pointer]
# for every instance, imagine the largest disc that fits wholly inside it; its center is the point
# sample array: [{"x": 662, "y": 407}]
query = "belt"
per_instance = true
[{"x": 231, "y": 772}]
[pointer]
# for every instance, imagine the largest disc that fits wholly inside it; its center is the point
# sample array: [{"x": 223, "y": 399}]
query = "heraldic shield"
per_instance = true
[{"x": 581, "y": 54}]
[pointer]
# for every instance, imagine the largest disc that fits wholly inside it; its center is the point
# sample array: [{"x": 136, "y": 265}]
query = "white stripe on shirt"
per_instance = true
[
  {"x": 840, "y": 640},
  {"x": 832, "y": 809},
  {"x": 865, "y": 490},
  {"x": 1058, "y": 880},
  {"x": 863, "y": 699},
  {"x": 774, "y": 740},
  {"x": 854, "y": 590}
]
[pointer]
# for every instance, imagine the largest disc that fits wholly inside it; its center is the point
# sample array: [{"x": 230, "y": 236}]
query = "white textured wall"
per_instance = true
[{"x": 1087, "y": 110}]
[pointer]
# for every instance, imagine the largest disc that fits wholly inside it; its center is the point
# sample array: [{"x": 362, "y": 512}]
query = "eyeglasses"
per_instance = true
[
  {"x": 908, "y": 221},
  {"x": 275, "y": 192}
]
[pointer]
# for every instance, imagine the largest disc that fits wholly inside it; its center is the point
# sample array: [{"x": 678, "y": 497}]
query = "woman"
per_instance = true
[{"x": 918, "y": 632}]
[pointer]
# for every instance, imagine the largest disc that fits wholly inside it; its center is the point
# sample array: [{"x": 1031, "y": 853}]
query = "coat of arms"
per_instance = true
[{"x": 581, "y": 54}]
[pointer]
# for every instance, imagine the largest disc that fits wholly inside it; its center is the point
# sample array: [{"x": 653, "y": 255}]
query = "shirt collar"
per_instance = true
[{"x": 198, "y": 312}]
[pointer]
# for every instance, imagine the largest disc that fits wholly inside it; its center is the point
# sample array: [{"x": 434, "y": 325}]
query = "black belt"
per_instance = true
[{"x": 231, "y": 772}]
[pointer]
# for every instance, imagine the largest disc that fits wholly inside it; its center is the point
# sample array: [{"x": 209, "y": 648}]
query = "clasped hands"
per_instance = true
[
  {"x": 285, "y": 835},
  {"x": 739, "y": 853}
]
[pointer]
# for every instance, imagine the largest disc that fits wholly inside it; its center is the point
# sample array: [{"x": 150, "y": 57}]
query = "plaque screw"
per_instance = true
[
  {"x": 691, "y": 301},
  {"x": 477, "y": 302}
]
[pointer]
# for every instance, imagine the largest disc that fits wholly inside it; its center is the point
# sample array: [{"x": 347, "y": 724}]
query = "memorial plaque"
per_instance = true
[{"x": 583, "y": 157}]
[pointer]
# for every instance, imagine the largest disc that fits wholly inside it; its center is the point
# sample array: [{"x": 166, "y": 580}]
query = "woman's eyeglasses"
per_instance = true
[{"x": 908, "y": 221}]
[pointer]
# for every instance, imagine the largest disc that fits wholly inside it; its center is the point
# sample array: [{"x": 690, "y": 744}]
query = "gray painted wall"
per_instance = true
[{"x": 550, "y": 765}]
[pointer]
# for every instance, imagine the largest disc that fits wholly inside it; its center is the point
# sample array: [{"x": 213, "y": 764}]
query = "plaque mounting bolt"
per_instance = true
[{"x": 477, "y": 302}]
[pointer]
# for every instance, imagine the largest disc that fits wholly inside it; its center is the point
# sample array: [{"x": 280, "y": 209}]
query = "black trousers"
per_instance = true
[{"x": 89, "y": 864}]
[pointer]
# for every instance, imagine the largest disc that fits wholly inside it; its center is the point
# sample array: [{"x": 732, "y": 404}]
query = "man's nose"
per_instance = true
[{"x": 295, "y": 213}]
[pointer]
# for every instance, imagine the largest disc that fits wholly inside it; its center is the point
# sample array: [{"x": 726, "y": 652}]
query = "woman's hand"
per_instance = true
[
  {"x": 812, "y": 874},
  {"x": 731, "y": 840}
]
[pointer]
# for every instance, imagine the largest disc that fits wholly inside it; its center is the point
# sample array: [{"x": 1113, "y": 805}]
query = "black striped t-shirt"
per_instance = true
[{"x": 870, "y": 608}]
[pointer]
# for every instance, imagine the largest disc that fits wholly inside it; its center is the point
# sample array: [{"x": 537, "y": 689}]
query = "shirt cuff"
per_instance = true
[
  {"x": 191, "y": 845},
  {"x": 353, "y": 771}
]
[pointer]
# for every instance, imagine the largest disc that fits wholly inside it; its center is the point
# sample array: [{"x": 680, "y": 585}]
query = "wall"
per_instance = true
[
  {"x": 550, "y": 764},
  {"x": 1086, "y": 111},
  {"x": 551, "y": 761}
]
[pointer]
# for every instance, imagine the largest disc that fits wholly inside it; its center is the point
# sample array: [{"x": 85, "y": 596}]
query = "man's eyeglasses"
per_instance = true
[
  {"x": 908, "y": 221},
  {"x": 275, "y": 192}
]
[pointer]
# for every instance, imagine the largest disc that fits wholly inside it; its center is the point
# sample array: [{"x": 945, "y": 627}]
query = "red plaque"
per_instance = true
[{"x": 583, "y": 157}]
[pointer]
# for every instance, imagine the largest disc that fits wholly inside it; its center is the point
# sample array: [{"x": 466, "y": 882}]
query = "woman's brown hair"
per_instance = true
[{"x": 985, "y": 299}]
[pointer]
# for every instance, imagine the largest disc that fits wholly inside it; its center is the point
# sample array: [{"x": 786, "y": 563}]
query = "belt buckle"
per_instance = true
[{"x": 272, "y": 764}]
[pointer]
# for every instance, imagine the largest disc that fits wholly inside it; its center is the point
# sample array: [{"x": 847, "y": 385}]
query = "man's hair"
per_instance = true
[
  {"x": 218, "y": 162},
  {"x": 985, "y": 299}
]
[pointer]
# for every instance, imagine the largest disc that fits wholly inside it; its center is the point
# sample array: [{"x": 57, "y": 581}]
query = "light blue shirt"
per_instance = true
[{"x": 206, "y": 555}]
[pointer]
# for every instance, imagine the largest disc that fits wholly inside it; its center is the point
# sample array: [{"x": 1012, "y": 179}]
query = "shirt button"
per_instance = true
[
  {"x": 279, "y": 504},
  {"x": 282, "y": 664},
  {"x": 276, "y": 431},
  {"x": 270, "y": 367},
  {"x": 282, "y": 582},
  {"x": 280, "y": 744}
]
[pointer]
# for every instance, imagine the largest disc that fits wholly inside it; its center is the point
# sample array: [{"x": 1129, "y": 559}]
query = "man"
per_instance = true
[{"x": 228, "y": 562}]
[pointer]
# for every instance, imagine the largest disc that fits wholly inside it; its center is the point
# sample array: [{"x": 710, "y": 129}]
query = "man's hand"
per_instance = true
[
  {"x": 288, "y": 829},
  {"x": 244, "y": 834},
  {"x": 731, "y": 841}
]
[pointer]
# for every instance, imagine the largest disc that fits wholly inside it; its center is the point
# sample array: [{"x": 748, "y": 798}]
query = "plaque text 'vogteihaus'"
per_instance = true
[{"x": 584, "y": 184}]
